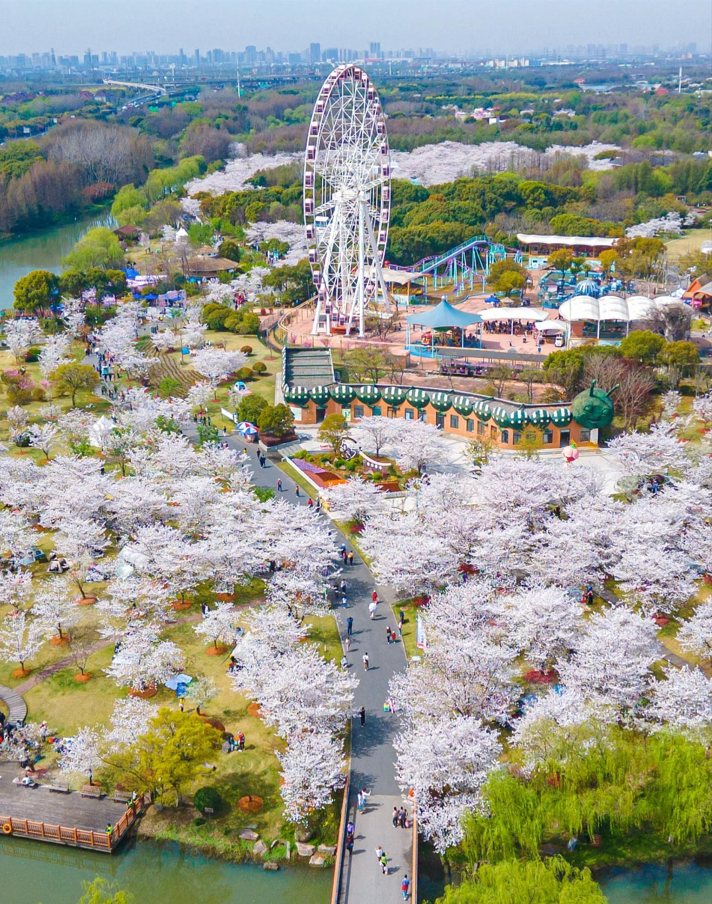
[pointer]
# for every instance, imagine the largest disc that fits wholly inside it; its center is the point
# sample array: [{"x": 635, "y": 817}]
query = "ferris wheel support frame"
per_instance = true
[{"x": 346, "y": 252}]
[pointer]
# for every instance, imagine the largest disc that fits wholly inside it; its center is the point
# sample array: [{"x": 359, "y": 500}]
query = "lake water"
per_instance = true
[
  {"x": 36, "y": 873},
  {"x": 682, "y": 883},
  {"x": 41, "y": 251}
]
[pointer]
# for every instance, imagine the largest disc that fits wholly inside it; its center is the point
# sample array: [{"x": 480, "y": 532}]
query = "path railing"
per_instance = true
[
  {"x": 340, "y": 844},
  {"x": 75, "y": 837}
]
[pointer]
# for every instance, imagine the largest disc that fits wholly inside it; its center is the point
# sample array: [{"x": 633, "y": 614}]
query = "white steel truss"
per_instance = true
[{"x": 347, "y": 199}]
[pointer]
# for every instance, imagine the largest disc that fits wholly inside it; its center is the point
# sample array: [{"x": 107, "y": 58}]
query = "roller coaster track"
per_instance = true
[{"x": 474, "y": 256}]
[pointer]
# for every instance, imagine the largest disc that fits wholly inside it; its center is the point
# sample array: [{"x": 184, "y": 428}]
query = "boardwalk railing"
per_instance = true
[
  {"x": 74, "y": 837},
  {"x": 341, "y": 844}
]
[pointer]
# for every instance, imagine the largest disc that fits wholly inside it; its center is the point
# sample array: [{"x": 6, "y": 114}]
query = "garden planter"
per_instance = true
[
  {"x": 83, "y": 678},
  {"x": 251, "y": 803},
  {"x": 254, "y": 710},
  {"x": 212, "y": 650},
  {"x": 86, "y": 601},
  {"x": 144, "y": 694},
  {"x": 181, "y": 605},
  {"x": 59, "y": 641},
  {"x": 21, "y": 673},
  {"x": 225, "y": 597}
]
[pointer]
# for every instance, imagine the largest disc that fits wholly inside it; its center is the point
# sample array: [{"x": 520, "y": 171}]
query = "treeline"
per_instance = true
[
  {"x": 75, "y": 165},
  {"x": 278, "y": 202}
]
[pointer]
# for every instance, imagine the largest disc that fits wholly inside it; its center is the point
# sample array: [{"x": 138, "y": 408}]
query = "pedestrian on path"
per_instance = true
[
  {"x": 384, "y": 863},
  {"x": 310, "y": 504},
  {"x": 296, "y": 490},
  {"x": 344, "y": 601},
  {"x": 379, "y": 853},
  {"x": 279, "y": 486},
  {"x": 347, "y": 643},
  {"x": 365, "y": 662},
  {"x": 396, "y": 814},
  {"x": 362, "y": 715},
  {"x": 374, "y": 596},
  {"x": 344, "y": 556},
  {"x": 351, "y": 558},
  {"x": 405, "y": 886},
  {"x": 388, "y": 635},
  {"x": 372, "y": 607},
  {"x": 349, "y": 626}
]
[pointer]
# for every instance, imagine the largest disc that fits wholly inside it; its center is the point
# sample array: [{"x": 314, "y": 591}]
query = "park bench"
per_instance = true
[
  {"x": 89, "y": 791},
  {"x": 58, "y": 788},
  {"x": 122, "y": 797}
]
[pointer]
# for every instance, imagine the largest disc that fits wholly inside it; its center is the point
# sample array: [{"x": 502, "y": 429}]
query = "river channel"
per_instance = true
[
  {"x": 42, "y": 250},
  {"x": 36, "y": 873}
]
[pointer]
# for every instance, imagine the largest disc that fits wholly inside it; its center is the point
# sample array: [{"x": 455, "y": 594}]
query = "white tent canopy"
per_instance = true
[
  {"x": 518, "y": 314},
  {"x": 550, "y": 326},
  {"x": 612, "y": 307}
]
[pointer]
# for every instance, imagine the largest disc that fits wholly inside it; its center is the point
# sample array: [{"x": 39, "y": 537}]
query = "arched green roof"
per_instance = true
[
  {"x": 343, "y": 393},
  {"x": 441, "y": 401},
  {"x": 368, "y": 393},
  {"x": 418, "y": 398},
  {"x": 394, "y": 395}
]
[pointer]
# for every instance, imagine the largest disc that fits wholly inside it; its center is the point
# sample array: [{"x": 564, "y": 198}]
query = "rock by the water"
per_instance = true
[
  {"x": 329, "y": 849},
  {"x": 270, "y": 864},
  {"x": 260, "y": 848},
  {"x": 249, "y": 835},
  {"x": 304, "y": 850},
  {"x": 317, "y": 860}
]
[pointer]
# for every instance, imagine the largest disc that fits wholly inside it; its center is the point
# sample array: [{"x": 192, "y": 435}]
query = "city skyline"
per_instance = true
[{"x": 290, "y": 26}]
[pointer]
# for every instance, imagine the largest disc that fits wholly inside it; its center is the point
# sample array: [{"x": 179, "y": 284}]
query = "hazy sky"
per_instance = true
[{"x": 70, "y": 26}]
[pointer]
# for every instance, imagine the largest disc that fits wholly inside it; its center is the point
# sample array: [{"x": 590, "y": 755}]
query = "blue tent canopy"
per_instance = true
[
  {"x": 444, "y": 316},
  {"x": 131, "y": 273}
]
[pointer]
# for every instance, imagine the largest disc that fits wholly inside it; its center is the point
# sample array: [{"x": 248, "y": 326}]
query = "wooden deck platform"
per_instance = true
[{"x": 68, "y": 819}]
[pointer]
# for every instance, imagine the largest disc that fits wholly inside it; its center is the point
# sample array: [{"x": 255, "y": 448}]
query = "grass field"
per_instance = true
[{"x": 685, "y": 244}]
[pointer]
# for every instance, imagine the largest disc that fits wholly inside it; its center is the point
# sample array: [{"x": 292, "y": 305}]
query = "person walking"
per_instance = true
[
  {"x": 343, "y": 601},
  {"x": 372, "y": 607},
  {"x": 310, "y": 504},
  {"x": 279, "y": 486},
  {"x": 365, "y": 662},
  {"x": 388, "y": 635},
  {"x": 396, "y": 814},
  {"x": 384, "y": 863},
  {"x": 405, "y": 886},
  {"x": 374, "y": 596},
  {"x": 296, "y": 490},
  {"x": 349, "y": 626},
  {"x": 347, "y": 643},
  {"x": 379, "y": 853},
  {"x": 359, "y": 801},
  {"x": 362, "y": 715},
  {"x": 351, "y": 558}
]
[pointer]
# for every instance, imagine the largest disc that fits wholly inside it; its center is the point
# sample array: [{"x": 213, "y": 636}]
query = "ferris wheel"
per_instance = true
[{"x": 347, "y": 198}]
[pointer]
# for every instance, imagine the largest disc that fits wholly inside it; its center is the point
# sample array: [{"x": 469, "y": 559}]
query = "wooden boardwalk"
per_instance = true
[
  {"x": 17, "y": 708},
  {"x": 68, "y": 819}
]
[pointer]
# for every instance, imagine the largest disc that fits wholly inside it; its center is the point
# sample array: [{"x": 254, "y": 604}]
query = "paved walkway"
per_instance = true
[{"x": 373, "y": 756}]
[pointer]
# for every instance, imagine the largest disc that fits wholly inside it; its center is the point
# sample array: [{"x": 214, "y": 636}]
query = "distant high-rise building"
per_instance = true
[
  {"x": 250, "y": 55},
  {"x": 294, "y": 59},
  {"x": 87, "y": 58},
  {"x": 315, "y": 53},
  {"x": 331, "y": 54},
  {"x": 197, "y": 57},
  {"x": 375, "y": 50}
]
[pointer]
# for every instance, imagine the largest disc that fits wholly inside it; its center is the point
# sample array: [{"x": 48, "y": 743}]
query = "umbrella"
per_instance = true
[
  {"x": 182, "y": 678},
  {"x": 247, "y": 428}
]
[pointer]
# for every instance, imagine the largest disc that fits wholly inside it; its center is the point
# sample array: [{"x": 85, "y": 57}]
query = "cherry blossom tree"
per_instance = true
[
  {"x": 20, "y": 334},
  {"x": 543, "y": 622},
  {"x": 143, "y": 660},
  {"x": 43, "y": 437},
  {"x": 376, "y": 432},
  {"x": 15, "y": 588},
  {"x": 640, "y": 455},
  {"x": 219, "y": 625},
  {"x": 201, "y": 691},
  {"x": 217, "y": 364},
  {"x": 683, "y": 702},
  {"x": 15, "y": 535},
  {"x": 356, "y": 500},
  {"x": 54, "y": 352},
  {"x": 695, "y": 634},
  {"x": 312, "y": 768},
  {"x": 55, "y": 610},
  {"x": 20, "y": 639},
  {"x": 83, "y": 753},
  {"x": 612, "y": 660},
  {"x": 445, "y": 763},
  {"x": 17, "y": 419},
  {"x": 417, "y": 444},
  {"x": 79, "y": 539}
]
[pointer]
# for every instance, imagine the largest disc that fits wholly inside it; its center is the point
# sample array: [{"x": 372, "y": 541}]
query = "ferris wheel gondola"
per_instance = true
[{"x": 347, "y": 198}]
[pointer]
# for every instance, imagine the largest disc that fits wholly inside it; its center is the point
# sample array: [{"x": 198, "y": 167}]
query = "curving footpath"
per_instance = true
[{"x": 17, "y": 708}]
